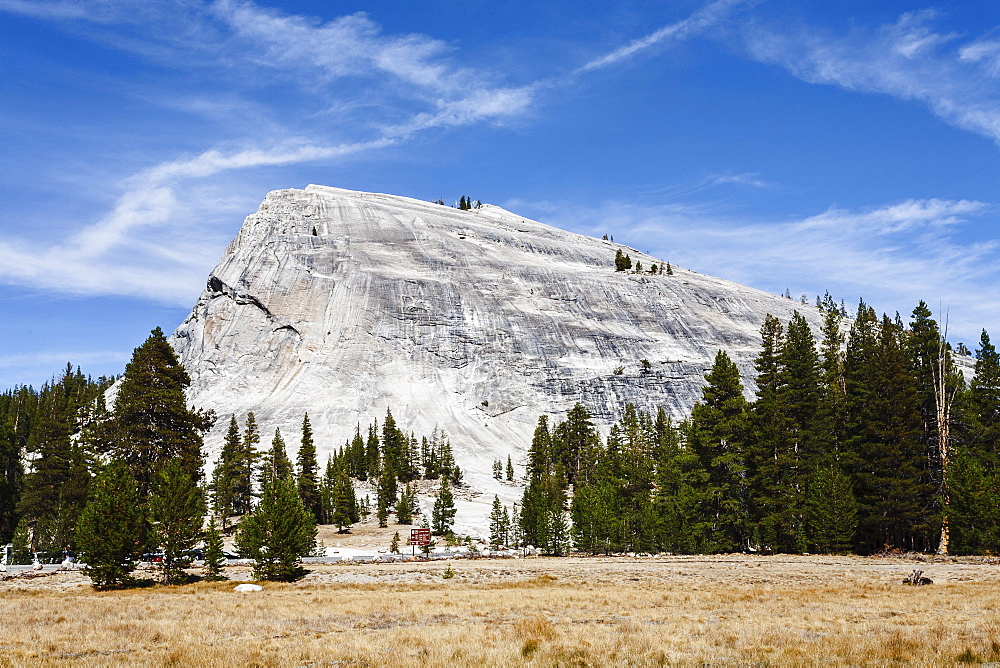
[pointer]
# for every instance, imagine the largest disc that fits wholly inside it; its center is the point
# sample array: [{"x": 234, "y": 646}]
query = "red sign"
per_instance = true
[{"x": 420, "y": 536}]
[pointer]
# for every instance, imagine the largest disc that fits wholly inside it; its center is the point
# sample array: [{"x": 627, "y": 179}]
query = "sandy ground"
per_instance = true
[{"x": 691, "y": 571}]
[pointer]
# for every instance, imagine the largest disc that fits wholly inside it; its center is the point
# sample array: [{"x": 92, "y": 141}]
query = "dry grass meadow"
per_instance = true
[{"x": 720, "y": 610}]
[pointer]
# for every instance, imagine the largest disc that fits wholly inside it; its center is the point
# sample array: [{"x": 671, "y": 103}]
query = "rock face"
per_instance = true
[{"x": 341, "y": 304}]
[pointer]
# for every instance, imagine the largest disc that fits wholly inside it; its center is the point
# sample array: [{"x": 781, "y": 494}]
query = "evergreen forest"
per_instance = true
[{"x": 866, "y": 439}]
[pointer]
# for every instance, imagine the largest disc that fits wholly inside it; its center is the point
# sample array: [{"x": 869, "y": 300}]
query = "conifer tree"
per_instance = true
[
  {"x": 717, "y": 435},
  {"x": 510, "y": 469},
  {"x": 275, "y": 463},
  {"x": 394, "y": 545},
  {"x": 386, "y": 495},
  {"x": 152, "y": 422},
  {"x": 496, "y": 525},
  {"x": 373, "y": 458},
  {"x": 770, "y": 452},
  {"x": 345, "y": 503},
  {"x": 681, "y": 496},
  {"x": 11, "y": 477},
  {"x": 443, "y": 513},
  {"x": 974, "y": 474},
  {"x": 215, "y": 557},
  {"x": 831, "y": 415},
  {"x": 225, "y": 477},
  {"x": 278, "y": 533},
  {"x": 885, "y": 440},
  {"x": 176, "y": 508},
  {"x": 404, "y": 505},
  {"x": 359, "y": 462},
  {"x": 984, "y": 403},
  {"x": 831, "y": 511},
  {"x": 308, "y": 471},
  {"x": 246, "y": 465},
  {"x": 111, "y": 527},
  {"x": 53, "y": 491}
]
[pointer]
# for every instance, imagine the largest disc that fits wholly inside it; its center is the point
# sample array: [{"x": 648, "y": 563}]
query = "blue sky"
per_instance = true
[{"x": 809, "y": 146}]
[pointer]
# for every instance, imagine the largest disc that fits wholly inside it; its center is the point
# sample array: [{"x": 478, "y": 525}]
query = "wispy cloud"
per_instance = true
[
  {"x": 410, "y": 77},
  {"x": 908, "y": 59},
  {"x": 703, "y": 18},
  {"x": 110, "y": 257},
  {"x": 892, "y": 255}
]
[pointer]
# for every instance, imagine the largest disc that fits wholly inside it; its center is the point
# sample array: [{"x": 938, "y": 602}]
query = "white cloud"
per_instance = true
[
  {"x": 906, "y": 59},
  {"x": 892, "y": 255},
  {"x": 697, "y": 22},
  {"x": 751, "y": 179},
  {"x": 111, "y": 256}
]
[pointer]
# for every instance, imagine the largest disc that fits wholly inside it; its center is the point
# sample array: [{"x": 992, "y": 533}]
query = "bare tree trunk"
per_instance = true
[{"x": 943, "y": 400}]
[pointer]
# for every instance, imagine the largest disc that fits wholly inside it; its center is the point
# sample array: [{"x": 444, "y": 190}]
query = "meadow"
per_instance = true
[{"x": 576, "y": 611}]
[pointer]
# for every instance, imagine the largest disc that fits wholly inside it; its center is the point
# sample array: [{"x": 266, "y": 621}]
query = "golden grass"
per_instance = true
[{"x": 731, "y": 610}]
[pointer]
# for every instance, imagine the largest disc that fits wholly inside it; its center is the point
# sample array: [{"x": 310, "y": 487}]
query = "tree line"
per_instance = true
[
  {"x": 864, "y": 441},
  {"x": 71, "y": 468}
]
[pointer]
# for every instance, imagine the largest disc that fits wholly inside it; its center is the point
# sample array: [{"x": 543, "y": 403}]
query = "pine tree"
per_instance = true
[
  {"x": 887, "y": 456},
  {"x": 226, "y": 476},
  {"x": 152, "y": 422},
  {"x": 345, "y": 503},
  {"x": 496, "y": 525},
  {"x": 275, "y": 464},
  {"x": 670, "y": 270},
  {"x": 111, "y": 527},
  {"x": 443, "y": 513},
  {"x": 176, "y": 508},
  {"x": 404, "y": 505},
  {"x": 11, "y": 477},
  {"x": 497, "y": 469},
  {"x": 54, "y": 489},
  {"x": 974, "y": 474},
  {"x": 831, "y": 511},
  {"x": 681, "y": 497},
  {"x": 510, "y": 470},
  {"x": 215, "y": 556},
  {"x": 386, "y": 495},
  {"x": 984, "y": 404},
  {"x": 308, "y": 471},
  {"x": 394, "y": 545},
  {"x": 831, "y": 412},
  {"x": 246, "y": 465},
  {"x": 619, "y": 260},
  {"x": 773, "y": 501},
  {"x": 278, "y": 533},
  {"x": 717, "y": 435}
]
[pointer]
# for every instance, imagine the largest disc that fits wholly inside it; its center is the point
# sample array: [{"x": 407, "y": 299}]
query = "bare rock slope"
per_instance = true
[{"x": 344, "y": 303}]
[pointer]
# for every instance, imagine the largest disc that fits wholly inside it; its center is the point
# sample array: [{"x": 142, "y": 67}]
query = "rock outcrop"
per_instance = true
[{"x": 344, "y": 303}]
